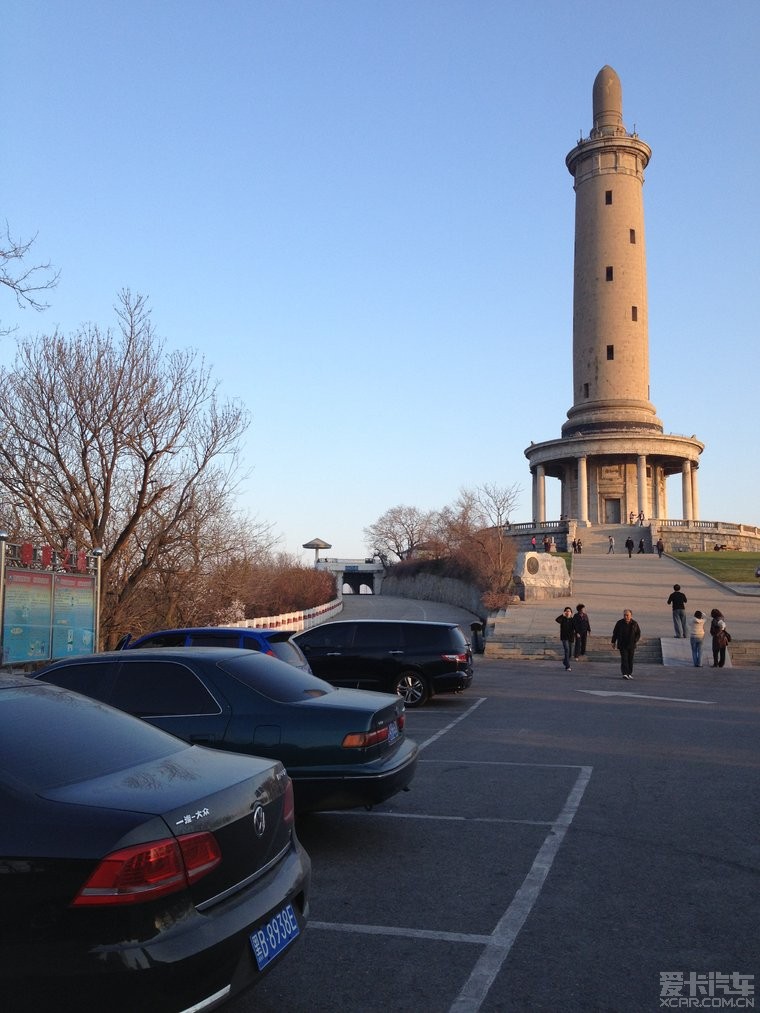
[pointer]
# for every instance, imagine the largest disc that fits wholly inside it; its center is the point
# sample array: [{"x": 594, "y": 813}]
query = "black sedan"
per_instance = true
[
  {"x": 342, "y": 747},
  {"x": 139, "y": 873}
]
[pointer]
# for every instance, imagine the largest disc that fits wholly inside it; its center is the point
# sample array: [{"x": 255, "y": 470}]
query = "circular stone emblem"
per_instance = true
[{"x": 532, "y": 566}]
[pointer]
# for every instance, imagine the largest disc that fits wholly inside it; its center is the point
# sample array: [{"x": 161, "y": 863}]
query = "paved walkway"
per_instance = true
[{"x": 607, "y": 584}]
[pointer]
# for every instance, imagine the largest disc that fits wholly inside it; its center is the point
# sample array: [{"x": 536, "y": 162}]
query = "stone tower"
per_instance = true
[{"x": 613, "y": 457}]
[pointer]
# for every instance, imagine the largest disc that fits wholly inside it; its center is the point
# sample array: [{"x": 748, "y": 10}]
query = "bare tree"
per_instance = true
[
  {"x": 475, "y": 527},
  {"x": 25, "y": 281},
  {"x": 400, "y": 531},
  {"x": 108, "y": 440}
]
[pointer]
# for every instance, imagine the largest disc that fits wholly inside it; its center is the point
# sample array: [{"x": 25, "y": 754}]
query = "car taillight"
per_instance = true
[
  {"x": 461, "y": 659},
  {"x": 288, "y": 805},
  {"x": 360, "y": 740},
  {"x": 147, "y": 871},
  {"x": 401, "y": 720}
]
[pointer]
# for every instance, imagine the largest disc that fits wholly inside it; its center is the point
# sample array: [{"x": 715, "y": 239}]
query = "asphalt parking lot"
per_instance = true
[{"x": 566, "y": 841}]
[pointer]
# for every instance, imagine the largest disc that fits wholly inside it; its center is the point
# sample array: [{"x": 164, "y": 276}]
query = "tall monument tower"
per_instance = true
[{"x": 613, "y": 457}]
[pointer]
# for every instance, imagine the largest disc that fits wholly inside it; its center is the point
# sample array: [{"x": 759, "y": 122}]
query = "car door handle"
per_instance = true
[
  {"x": 395, "y": 652},
  {"x": 200, "y": 739},
  {"x": 334, "y": 654}
]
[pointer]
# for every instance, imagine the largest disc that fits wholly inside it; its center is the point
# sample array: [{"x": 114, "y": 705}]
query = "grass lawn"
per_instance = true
[{"x": 729, "y": 567}]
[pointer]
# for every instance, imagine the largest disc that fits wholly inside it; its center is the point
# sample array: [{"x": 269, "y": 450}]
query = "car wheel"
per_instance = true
[{"x": 412, "y": 688}]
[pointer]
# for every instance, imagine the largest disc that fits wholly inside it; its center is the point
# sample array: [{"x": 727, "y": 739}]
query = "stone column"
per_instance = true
[
  {"x": 582, "y": 491},
  {"x": 641, "y": 477},
  {"x": 540, "y": 493},
  {"x": 694, "y": 495},
  {"x": 686, "y": 490}
]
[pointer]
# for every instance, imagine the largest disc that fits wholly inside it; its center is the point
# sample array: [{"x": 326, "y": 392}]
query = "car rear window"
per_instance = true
[
  {"x": 286, "y": 651},
  {"x": 177, "y": 639},
  {"x": 219, "y": 640},
  {"x": 274, "y": 679},
  {"x": 68, "y": 738}
]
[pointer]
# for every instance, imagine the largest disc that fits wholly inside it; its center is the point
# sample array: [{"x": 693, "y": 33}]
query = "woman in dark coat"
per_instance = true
[{"x": 718, "y": 634}]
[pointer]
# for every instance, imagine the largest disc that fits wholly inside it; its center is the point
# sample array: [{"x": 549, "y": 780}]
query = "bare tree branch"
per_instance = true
[{"x": 25, "y": 281}]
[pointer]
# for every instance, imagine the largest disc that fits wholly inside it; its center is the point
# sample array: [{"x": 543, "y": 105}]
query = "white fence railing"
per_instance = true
[{"x": 295, "y": 621}]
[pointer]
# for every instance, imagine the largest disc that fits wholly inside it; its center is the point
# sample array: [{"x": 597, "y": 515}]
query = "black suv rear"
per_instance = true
[{"x": 414, "y": 659}]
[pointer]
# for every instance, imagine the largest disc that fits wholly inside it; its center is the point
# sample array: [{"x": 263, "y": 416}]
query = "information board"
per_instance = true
[{"x": 47, "y": 615}]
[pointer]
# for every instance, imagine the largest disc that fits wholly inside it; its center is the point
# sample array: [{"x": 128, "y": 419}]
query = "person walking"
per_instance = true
[
  {"x": 629, "y": 546},
  {"x": 566, "y": 635},
  {"x": 660, "y": 547},
  {"x": 625, "y": 636},
  {"x": 611, "y": 546},
  {"x": 533, "y": 543},
  {"x": 720, "y": 638},
  {"x": 678, "y": 600},
  {"x": 582, "y": 626},
  {"x": 641, "y": 546},
  {"x": 579, "y": 546},
  {"x": 697, "y": 637}
]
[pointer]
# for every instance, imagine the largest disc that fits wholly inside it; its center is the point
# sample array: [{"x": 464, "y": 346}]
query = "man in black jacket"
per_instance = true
[
  {"x": 678, "y": 600},
  {"x": 566, "y": 635},
  {"x": 625, "y": 636}
]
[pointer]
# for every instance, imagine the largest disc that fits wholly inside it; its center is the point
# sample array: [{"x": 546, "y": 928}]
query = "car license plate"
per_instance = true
[
  {"x": 392, "y": 732},
  {"x": 272, "y": 938}
]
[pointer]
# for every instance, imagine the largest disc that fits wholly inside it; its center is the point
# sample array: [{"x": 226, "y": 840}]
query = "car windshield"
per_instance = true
[
  {"x": 275, "y": 679},
  {"x": 69, "y": 738}
]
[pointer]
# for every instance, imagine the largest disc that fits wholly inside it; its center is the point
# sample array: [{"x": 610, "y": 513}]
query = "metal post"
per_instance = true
[
  {"x": 3, "y": 540},
  {"x": 98, "y": 554}
]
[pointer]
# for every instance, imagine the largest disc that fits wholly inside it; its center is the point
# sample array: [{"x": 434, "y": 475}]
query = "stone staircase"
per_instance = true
[
  {"x": 596, "y": 539},
  {"x": 543, "y": 648}
]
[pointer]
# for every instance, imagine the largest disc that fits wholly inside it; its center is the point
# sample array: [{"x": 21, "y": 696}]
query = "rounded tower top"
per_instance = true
[{"x": 608, "y": 102}]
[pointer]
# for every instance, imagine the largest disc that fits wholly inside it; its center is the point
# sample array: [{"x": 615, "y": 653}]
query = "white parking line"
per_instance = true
[
  {"x": 503, "y": 936},
  {"x": 498, "y": 944},
  {"x": 641, "y": 696},
  {"x": 376, "y": 814},
  {"x": 453, "y": 723}
]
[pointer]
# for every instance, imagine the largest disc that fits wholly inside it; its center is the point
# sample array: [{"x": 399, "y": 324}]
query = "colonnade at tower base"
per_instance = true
[{"x": 677, "y": 535}]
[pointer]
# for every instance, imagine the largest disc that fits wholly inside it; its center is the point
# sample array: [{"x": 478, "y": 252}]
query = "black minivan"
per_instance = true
[{"x": 416, "y": 660}]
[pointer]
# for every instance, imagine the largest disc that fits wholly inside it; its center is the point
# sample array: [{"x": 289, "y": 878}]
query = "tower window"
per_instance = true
[
  {"x": 632, "y": 235},
  {"x": 585, "y": 390},
  {"x": 634, "y": 313},
  {"x": 609, "y": 273},
  {"x": 610, "y": 351},
  {"x": 608, "y": 196}
]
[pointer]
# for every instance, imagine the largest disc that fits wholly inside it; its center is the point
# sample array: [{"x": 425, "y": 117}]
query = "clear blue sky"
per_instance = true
[{"x": 359, "y": 212}]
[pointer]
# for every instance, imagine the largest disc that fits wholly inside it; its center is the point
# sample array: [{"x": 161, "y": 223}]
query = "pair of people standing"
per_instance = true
[
  {"x": 721, "y": 638},
  {"x": 573, "y": 634}
]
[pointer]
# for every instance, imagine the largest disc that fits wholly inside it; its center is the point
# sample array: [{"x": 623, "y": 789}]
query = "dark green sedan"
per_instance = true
[{"x": 341, "y": 747}]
